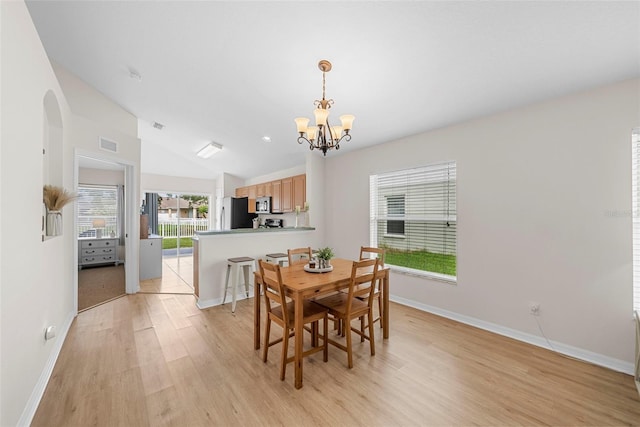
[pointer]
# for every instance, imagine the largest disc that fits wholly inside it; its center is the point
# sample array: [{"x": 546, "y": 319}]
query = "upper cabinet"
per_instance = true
[
  {"x": 276, "y": 196},
  {"x": 299, "y": 191},
  {"x": 285, "y": 193},
  {"x": 252, "y": 198},
  {"x": 293, "y": 193},
  {"x": 242, "y": 192}
]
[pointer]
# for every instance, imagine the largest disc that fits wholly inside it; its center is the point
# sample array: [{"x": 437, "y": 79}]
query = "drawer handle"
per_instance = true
[{"x": 90, "y": 252}]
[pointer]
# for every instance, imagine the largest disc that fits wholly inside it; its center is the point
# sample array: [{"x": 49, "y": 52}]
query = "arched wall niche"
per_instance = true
[{"x": 52, "y": 141}]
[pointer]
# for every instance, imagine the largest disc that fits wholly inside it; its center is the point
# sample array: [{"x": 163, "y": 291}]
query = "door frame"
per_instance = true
[{"x": 132, "y": 223}]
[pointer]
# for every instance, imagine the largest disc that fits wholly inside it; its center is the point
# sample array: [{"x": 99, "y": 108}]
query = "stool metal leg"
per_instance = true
[
  {"x": 245, "y": 270},
  {"x": 226, "y": 284},
  {"x": 235, "y": 276}
]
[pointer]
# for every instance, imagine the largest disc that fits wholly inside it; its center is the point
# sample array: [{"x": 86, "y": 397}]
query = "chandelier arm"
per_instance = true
[
  {"x": 346, "y": 137},
  {"x": 302, "y": 139}
]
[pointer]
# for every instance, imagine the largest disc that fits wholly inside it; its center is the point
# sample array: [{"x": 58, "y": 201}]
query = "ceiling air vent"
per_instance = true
[
  {"x": 108, "y": 145},
  {"x": 158, "y": 126}
]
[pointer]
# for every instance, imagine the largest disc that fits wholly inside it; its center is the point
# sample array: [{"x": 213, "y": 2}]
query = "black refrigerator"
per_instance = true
[{"x": 235, "y": 213}]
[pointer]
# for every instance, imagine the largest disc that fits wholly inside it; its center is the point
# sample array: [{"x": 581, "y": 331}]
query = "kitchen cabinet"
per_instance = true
[
  {"x": 276, "y": 196},
  {"x": 299, "y": 191},
  {"x": 252, "y": 194},
  {"x": 286, "y": 195},
  {"x": 242, "y": 192}
]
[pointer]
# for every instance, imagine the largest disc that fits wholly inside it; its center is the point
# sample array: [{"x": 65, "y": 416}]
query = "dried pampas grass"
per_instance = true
[{"x": 55, "y": 198}]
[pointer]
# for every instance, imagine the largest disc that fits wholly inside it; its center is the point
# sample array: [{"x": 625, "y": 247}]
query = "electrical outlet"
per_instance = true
[{"x": 534, "y": 309}]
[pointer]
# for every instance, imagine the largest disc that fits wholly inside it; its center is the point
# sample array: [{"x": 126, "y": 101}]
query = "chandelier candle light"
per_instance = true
[{"x": 324, "y": 136}]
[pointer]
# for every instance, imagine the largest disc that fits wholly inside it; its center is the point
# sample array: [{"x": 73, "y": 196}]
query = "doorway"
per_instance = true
[
  {"x": 175, "y": 218},
  {"x": 102, "y": 224}
]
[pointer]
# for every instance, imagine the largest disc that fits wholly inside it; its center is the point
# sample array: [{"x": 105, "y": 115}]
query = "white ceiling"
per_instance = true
[{"x": 232, "y": 72}]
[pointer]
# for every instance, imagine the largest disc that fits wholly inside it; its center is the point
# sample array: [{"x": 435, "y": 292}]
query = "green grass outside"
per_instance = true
[
  {"x": 172, "y": 242},
  {"x": 422, "y": 260}
]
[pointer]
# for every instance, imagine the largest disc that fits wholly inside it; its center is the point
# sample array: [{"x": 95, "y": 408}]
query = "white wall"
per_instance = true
[
  {"x": 152, "y": 183},
  {"x": 86, "y": 101},
  {"x": 536, "y": 189},
  {"x": 36, "y": 279},
  {"x": 285, "y": 173}
]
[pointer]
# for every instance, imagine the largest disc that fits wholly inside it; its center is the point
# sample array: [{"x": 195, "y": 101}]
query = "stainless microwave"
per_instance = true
[{"x": 263, "y": 205}]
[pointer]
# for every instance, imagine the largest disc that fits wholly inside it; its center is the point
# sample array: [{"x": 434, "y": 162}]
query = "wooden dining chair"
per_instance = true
[
  {"x": 355, "y": 304},
  {"x": 299, "y": 255},
  {"x": 367, "y": 252},
  {"x": 282, "y": 312}
]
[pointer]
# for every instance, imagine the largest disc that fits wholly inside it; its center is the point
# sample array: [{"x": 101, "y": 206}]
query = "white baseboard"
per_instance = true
[
  {"x": 38, "y": 391},
  {"x": 578, "y": 353}
]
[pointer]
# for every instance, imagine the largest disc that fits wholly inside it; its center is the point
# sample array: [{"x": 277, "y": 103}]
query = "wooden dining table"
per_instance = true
[{"x": 300, "y": 285}]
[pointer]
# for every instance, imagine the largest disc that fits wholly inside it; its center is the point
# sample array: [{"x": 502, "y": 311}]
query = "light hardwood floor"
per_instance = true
[
  {"x": 156, "y": 360},
  {"x": 177, "y": 277}
]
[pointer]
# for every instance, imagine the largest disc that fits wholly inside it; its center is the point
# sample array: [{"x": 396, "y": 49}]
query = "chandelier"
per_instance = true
[{"x": 323, "y": 136}]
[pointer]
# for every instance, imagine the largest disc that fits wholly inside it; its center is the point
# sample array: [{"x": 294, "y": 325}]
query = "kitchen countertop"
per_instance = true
[{"x": 251, "y": 230}]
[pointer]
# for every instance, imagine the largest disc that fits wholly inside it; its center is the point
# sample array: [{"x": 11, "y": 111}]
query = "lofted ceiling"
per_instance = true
[{"x": 233, "y": 72}]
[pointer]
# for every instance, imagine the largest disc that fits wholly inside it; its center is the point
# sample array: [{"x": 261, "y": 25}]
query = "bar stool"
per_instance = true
[
  {"x": 233, "y": 266},
  {"x": 278, "y": 258}
]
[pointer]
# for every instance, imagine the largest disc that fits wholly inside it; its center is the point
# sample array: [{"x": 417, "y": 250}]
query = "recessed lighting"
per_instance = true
[
  {"x": 209, "y": 150},
  {"x": 266, "y": 139}
]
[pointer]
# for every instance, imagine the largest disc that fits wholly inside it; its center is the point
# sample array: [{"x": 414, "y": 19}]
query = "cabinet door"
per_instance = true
[
  {"x": 150, "y": 259},
  {"x": 286, "y": 197},
  {"x": 252, "y": 198},
  {"x": 242, "y": 192},
  {"x": 260, "y": 190},
  {"x": 299, "y": 190},
  {"x": 276, "y": 196},
  {"x": 267, "y": 189}
]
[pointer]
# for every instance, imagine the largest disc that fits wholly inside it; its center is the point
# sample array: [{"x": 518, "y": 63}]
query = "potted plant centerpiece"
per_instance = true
[{"x": 324, "y": 256}]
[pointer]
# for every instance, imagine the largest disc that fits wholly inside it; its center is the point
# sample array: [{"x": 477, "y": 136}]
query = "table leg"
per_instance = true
[
  {"x": 299, "y": 338},
  {"x": 385, "y": 305},
  {"x": 257, "y": 289}
]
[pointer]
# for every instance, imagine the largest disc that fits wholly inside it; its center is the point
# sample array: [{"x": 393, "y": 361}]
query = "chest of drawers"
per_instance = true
[{"x": 97, "y": 251}]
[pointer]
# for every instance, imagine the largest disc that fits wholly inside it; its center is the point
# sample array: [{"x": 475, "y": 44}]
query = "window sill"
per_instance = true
[
  {"x": 395, "y": 236},
  {"x": 451, "y": 280}
]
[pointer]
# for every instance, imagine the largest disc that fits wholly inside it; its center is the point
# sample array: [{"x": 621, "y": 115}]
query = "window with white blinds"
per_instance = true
[
  {"x": 413, "y": 217},
  {"x": 635, "y": 197},
  {"x": 96, "y": 203}
]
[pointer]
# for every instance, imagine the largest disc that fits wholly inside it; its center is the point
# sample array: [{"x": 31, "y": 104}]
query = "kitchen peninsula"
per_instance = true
[{"x": 211, "y": 249}]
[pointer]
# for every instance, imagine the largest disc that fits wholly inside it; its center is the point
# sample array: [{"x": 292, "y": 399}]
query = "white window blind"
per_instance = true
[
  {"x": 97, "y": 202},
  {"x": 413, "y": 217},
  {"x": 635, "y": 187}
]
